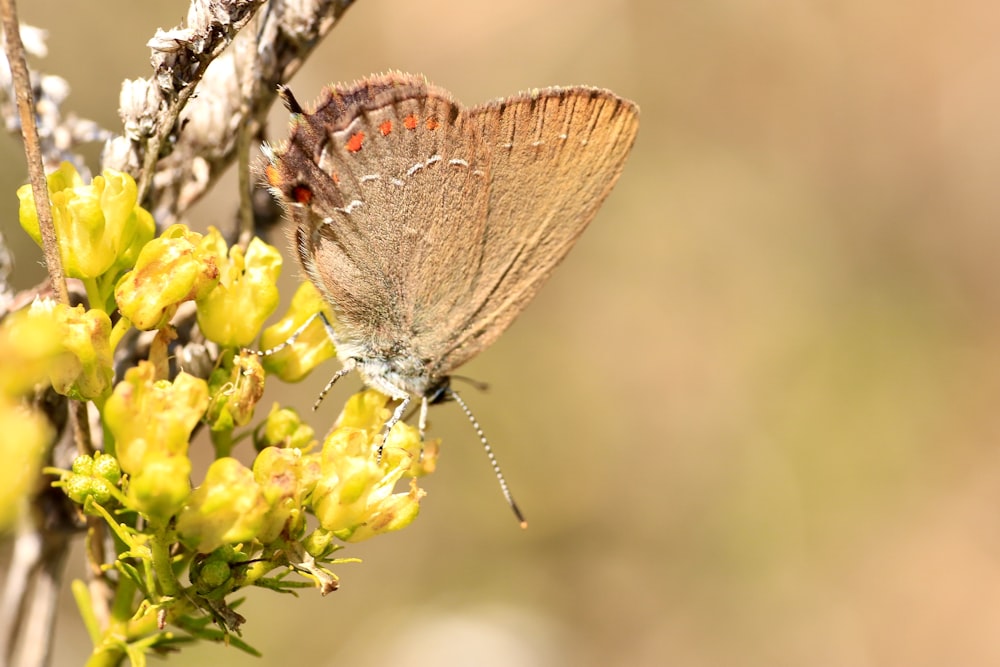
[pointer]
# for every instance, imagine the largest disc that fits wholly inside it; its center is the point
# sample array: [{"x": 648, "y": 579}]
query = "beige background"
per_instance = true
[{"x": 753, "y": 418}]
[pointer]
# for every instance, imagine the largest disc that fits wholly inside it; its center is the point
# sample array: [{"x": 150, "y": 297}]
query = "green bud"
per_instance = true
[
  {"x": 83, "y": 465},
  {"x": 91, "y": 477},
  {"x": 80, "y": 487},
  {"x": 77, "y": 487},
  {"x": 210, "y": 574},
  {"x": 106, "y": 467}
]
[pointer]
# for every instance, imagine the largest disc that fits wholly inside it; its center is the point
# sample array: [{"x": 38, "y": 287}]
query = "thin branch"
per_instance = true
[
  {"x": 182, "y": 56},
  {"x": 204, "y": 129},
  {"x": 32, "y": 149}
]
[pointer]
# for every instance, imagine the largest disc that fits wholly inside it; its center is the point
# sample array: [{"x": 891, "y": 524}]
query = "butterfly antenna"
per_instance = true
[
  {"x": 292, "y": 104},
  {"x": 478, "y": 384},
  {"x": 492, "y": 457}
]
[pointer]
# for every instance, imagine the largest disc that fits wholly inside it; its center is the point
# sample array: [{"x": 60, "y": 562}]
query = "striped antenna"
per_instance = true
[{"x": 491, "y": 456}]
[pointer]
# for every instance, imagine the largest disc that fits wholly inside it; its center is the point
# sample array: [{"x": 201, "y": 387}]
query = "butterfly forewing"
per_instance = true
[{"x": 555, "y": 155}]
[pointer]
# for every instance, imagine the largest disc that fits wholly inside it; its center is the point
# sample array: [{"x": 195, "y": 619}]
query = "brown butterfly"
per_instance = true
[{"x": 429, "y": 226}]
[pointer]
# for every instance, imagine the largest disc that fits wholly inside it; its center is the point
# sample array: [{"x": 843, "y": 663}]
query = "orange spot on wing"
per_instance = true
[
  {"x": 410, "y": 122},
  {"x": 302, "y": 194},
  {"x": 272, "y": 175},
  {"x": 354, "y": 143},
  {"x": 385, "y": 128},
  {"x": 336, "y": 178},
  {"x": 433, "y": 124}
]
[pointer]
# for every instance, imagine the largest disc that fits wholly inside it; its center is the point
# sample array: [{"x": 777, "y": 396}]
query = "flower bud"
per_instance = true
[
  {"x": 91, "y": 477},
  {"x": 83, "y": 482},
  {"x": 106, "y": 467},
  {"x": 217, "y": 573},
  {"x": 284, "y": 428},
  {"x": 235, "y": 392}
]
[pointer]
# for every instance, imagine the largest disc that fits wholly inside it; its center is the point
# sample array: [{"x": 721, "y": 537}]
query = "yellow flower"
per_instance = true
[
  {"x": 31, "y": 342},
  {"x": 31, "y": 346},
  {"x": 159, "y": 412},
  {"x": 26, "y": 434},
  {"x": 178, "y": 266},
  {"x": 227, "y": 508},
  {"x": 85, "y": 370},
  {"x": 96, "y": 225},
  {"x": 280, "y": 474},
  {"x": 151, "y": 421},
  {"x": 233, "y": 312},
  {"x": 354, "y": 496}
]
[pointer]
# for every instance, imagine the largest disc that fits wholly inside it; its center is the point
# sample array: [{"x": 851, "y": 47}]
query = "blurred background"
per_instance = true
[{"x": 753, "y": 417}]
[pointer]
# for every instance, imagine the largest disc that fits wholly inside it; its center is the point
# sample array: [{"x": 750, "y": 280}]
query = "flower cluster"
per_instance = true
[{"x": 238, "y": 523}]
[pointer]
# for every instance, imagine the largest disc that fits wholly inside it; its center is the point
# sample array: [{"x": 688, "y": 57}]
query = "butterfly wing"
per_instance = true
[
  {"x": 555, "y": 155},
  {"x": 429, "y": 227},
  {"x": 386, "y": 202}
]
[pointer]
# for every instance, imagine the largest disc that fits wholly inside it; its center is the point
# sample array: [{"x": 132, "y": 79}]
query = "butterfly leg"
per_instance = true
[
  {"x": 422, "y": 423},
  {"x": 397, "y": 414},
  {"x": 298, "y": 332}
]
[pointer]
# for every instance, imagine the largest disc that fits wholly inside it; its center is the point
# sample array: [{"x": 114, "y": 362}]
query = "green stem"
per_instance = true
[
  {"x": 85, "y": 605},
  {"x": 94, "y": 296},
  {"x": 119, "y": 330},
  {"x": 223, "y": 442},
  {"x": 162, "y": 564},
  {"x": 107, "y": 656}
]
